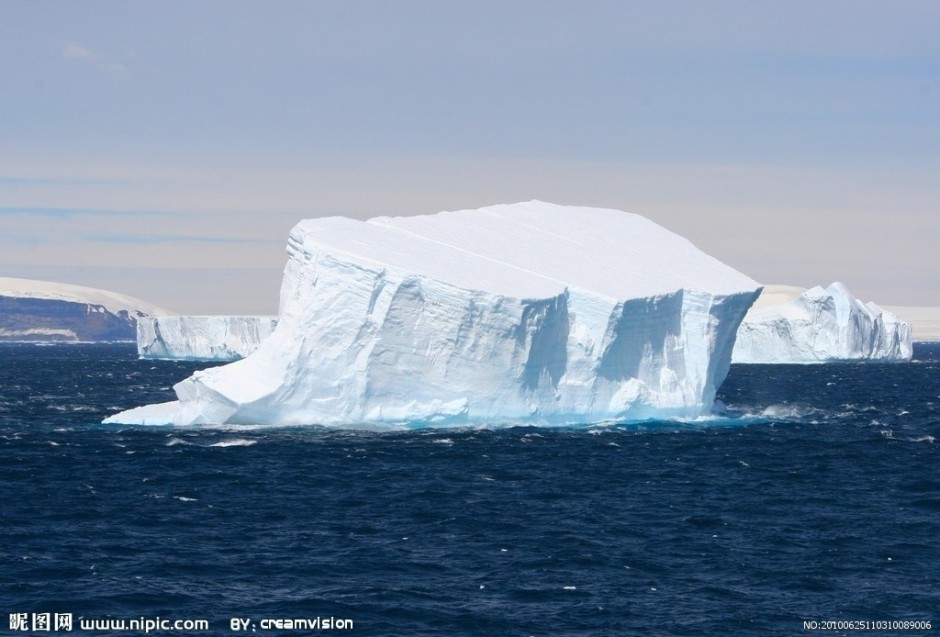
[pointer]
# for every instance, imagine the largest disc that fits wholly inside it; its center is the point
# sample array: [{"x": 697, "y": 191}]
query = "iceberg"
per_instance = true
[
  {"x": 46, "y": 311},
  {"x": 529, "y": 313},
  {"x": 820, "y": 325},
  {"x": 201, "y": 338},
  {"x": 924, "y": 320}
]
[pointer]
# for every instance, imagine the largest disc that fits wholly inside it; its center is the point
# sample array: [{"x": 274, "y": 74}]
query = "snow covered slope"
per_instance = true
[
  {"x": 820, "y": 325},
  {"x": 528, "y": 313},
  {"x": 46, "y": 311},
  {"x": 209, "y": 338}
]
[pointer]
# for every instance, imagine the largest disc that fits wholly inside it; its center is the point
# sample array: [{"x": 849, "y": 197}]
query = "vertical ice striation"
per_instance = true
[
  {"x": 524, "y": 313},
  {"x": 208, "y": 338}
]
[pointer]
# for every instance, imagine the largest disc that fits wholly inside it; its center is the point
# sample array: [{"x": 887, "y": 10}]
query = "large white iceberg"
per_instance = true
[
  {"x": 525, "y": 313},
  {"x": 820, "y": 325},
  {"x": 207, "y": 338}
]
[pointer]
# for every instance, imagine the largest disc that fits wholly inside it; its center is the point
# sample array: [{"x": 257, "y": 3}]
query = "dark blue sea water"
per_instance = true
[{"x": 816, "y": 497}]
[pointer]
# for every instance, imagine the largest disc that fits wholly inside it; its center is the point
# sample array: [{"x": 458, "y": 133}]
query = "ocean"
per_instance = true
[{"x": 810, "y": 504}]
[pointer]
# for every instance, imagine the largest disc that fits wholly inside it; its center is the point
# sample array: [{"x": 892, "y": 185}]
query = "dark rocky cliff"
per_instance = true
[{"x": 33, "y": 319}]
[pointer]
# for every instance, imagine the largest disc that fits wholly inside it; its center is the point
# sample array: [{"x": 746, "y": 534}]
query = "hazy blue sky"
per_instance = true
[{"x": 165, "y": 149}]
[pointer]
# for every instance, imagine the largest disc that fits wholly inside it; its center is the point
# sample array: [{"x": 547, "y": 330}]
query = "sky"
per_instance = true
[{"x": 165, "y": 149}]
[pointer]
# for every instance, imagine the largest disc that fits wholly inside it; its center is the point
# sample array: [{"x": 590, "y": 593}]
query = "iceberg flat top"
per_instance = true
[
  {"x": 531, "y": 249},
  {"x": 112, "y": 301},
  {"x": 379, "y": 247}
]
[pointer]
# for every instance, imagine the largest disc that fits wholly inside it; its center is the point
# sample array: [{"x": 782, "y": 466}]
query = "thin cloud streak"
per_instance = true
[
  {"x": 78, "y": 52},
  {"x": 157, "y": 239},
  {"x": 66, "y": 213}
]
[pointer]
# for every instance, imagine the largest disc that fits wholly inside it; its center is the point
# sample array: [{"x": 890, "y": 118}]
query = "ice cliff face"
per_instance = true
[
  {"x": 209, "y": 338},
  {"x": 46, "y": 311},
  {"x": 822, "y": 325},
  {"x": 518, "y": 313}
]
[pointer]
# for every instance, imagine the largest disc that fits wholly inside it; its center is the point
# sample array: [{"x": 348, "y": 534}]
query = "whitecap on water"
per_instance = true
[
  {"x": 778, "y": 411},
  {"x": 531, "y": 437},
  {"x": 234, "y": 442},
  {"x": 786, "y": 412},
  {"x": 172, "y": 441}
]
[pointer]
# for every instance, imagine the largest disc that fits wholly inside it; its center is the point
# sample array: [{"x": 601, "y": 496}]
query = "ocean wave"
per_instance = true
[{"x": 235, "y": 442}]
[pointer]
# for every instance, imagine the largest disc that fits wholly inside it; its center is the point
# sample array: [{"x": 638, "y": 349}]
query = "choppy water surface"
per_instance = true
[{"x": 814, "y": 496}]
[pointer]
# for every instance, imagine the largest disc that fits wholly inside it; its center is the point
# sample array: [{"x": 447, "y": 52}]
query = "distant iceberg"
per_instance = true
[
  {"x": 47, "y": 311},
  {"x": 820, "y": 325},
  {"x": 202, "y": 338},
  {"x": 523, "y": 313}
]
